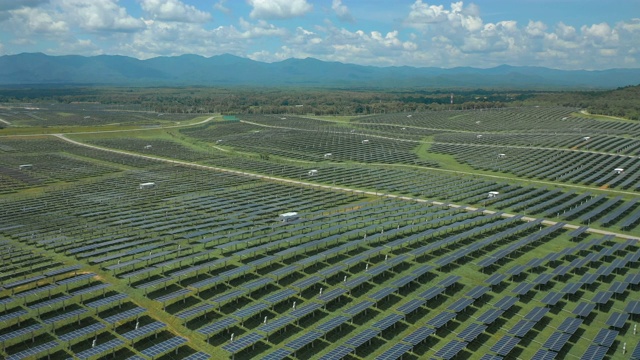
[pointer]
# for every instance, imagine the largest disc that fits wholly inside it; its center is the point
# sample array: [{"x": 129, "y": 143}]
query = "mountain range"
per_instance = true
[{"x": 230, "y": 70}]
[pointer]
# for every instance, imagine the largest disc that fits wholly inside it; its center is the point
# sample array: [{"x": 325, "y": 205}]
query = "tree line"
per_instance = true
[{"x": 620, "y": 102}]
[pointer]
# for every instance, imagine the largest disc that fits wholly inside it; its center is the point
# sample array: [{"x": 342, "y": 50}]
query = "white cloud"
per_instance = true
[
  {"x": 162, "y": 38},
  {"x": 342, "y": 11},
  {"x": 260, "y": 29},
  {"x": 220, "y": 7},
  {"x": 278, "y": 9},
  {"x": 27, "y": 20},
  {"x": 174, "y": 10},
  {"x": 424, "y": 16},
  {"x": 99, "y": 15},
  {"x": 535, "y": 28}
]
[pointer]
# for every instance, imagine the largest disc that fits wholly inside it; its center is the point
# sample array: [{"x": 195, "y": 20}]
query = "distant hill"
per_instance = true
[{"x": 229, "y": 70}]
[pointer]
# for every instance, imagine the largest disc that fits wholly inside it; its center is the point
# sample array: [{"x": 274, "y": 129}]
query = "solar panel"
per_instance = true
[
  {"x": 250, "y": 310},
  {"x": 75, "y": 279},
  {"x": 217, "y": 326},
  {"x": 506, "y": 303},
  {"x": 107, "y": 300},
  {"x": 394, "y": 352},
  {"x": 460, "y": 305},
  {"x": 279, "y": 296},
  {"x": 13, "y": 315},
  {"x": 387, "y": 321},
  {"x": 552, "y": 298},
  {"x": 570, "y": 325},
  {"x": 471, "y": 332},
  {"x": 276, "y": 324},
  {"x": 332, "y": 323},
  {"x": 451, "y": 349},
  {"x": 361, "y": 338},
  {"x": 633, "y": 279},
  {"x": 431, "y": 293},
  {"x": 143, "y": 330},
  {"x": 306, "y": 338},
  {"x": 504, "y": 346},
  {"x": 618, "y": 287},
  {"x": 277, "y": 355},
  {"x": 30, "y": 352},
  {"x": 337, "y": 353},
  {"x": 382, "y": 293},
  {"x": 536, "y": 314},
  {"x": 571, "y": 288},
  {"x": 522, "y": 288},
  {"x": 556, "y": 341},
  {"x": 635, "y": 355},
  {"x": 198, "y": 356},
  {"x": 452, "y": 279},
  {"x": 305, "y": 310},
  {"x": 124, "y": 315},
  {"x": 617, "y": 320},
  {"x": 19, "y": 332},
  {"x": 78, "y": 333},
  {"x": 242, "y": 343},
  {"x": 583, "y": 309},
  {"x": 418, "y": 335},
  {"x": 331, "y": 294},
  {"x": 605, "y": 337},
  {"x": 66, "y": 315},
  {"x": 100, "y": 349},
  {"x": 358, "y": 308},
  {"x": 198, "y": 310},
  {"x": 589, "y": 278},
  {"x": 495, "y": 279},
  {"x": 521, "y": 328},
  {"x": 594, "y": 352},
  {"x": 441, "y": 319},
  {"x": 632, "y": 307},
  {"x": 490, "y": 357},
  {"x": 489, "y": 316},
  {"x": 163, "y": 347},
  {"x": 410, "y": 306},
  {"x": 477, "y": 291},
  {"x": 543, "y": 354},
  {"x": 602, "y": 297}
]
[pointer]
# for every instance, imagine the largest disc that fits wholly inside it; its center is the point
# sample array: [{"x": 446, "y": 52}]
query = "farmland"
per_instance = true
[{"x": 463, "y": 234}]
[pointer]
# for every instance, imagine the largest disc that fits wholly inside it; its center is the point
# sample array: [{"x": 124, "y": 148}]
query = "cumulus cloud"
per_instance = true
[
  {"x": 342, "y": 11},
  {"x": 28, "y": 20},
  {"x": 221, "y": 7},
  {"x": 278, "y": 9},
  {"x": 100, "y": 15},
  {"x": 424, "y": 16},
  {"x": 161, "y": 38},
  {"x": 174, "y": 10}
]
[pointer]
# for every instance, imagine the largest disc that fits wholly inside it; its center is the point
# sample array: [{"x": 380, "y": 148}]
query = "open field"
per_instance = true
[{"x": 444, "y": 235}]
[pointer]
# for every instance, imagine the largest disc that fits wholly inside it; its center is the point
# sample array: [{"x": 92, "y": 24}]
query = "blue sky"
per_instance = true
[{"x": 564, "y": 34}]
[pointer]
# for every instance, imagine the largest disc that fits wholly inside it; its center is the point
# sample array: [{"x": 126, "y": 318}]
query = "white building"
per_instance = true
[
  {"x": 25, "y": 167},
  {"x": 492, "y": 194},
  {"x": 502, "y": 155},
  {"x": 288, "y": 216},
  {"x": 328, "y": 155},
  {"x": 148, "y": 146},
  {"x": 148, "y": 185},
  {"x": 313, "y": 172},
  {"x": 365, "y": 141},
  {"x": 618, "y": 170}
]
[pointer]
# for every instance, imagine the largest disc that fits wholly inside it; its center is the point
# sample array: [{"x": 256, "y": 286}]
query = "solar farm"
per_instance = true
[{"x": 501, "y": 234}]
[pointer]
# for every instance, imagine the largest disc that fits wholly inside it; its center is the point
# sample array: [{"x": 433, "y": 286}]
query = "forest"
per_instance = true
[{"x": 621, "y": 102}]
